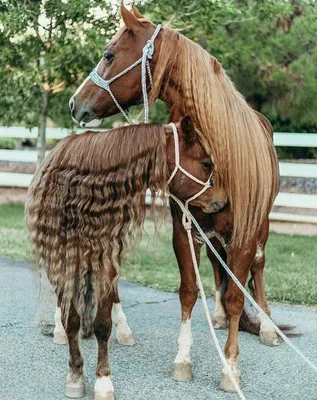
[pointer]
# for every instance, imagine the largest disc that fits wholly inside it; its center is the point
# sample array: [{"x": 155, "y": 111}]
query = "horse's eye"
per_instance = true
[
  {"x": 107, "y": 56},
  {"x": 206, "y": 165}
]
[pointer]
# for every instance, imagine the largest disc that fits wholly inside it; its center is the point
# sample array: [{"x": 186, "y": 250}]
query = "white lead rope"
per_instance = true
[
  {"x": 190, "y": 218},
  {"x": 188, "y": 229}
]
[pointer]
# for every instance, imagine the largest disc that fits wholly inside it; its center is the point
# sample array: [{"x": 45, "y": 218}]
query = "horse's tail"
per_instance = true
[{"x": 250, "y": 321}]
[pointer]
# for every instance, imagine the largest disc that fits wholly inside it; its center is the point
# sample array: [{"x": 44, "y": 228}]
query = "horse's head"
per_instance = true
[
  {"x": 195, "y": 161},
  {"x": 92, "y": 103}
]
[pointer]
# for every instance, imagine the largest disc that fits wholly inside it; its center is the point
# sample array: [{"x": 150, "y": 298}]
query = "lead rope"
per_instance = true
[
  {"x": 147, "y": 54},
  {"x": 187, "y": 226}
]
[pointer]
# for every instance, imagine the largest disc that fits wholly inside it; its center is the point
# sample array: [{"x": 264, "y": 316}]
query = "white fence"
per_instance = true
[{"x": 308, "y": 201}]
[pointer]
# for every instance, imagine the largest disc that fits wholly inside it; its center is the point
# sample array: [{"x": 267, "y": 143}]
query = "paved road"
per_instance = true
[{"x": 33, "y": 368}]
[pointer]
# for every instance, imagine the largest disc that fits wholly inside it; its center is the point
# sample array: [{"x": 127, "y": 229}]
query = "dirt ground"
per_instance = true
[{"x": 12, "y": 195}]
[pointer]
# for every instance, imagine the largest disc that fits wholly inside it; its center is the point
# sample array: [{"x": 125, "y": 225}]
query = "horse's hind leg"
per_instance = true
[
  {"x": 239, "y": 261},
  {"x": 220, "y": 319},
  {"x": 123, "y": 331},
  {"x": 75, "y": 386},
  {"x": 59, "y": 334},
  {"x": 268, "y": 335},
  {"x": 102, "y": 326}
]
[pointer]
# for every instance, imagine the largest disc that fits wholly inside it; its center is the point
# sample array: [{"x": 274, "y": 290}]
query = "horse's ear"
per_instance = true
[
  {"x": 129, "y": 19},
  {"x": 136, "y": 12},
  {"x": 188, "y": 130}
]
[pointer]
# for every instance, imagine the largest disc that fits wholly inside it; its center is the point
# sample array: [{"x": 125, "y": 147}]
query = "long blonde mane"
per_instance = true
[{"x": 230, "y": 130}]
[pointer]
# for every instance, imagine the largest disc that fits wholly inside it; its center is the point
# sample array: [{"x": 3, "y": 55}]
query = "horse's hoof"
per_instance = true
[
  {"x": 75, "y": 388},
  {"x": 269, "y": 338},
  {"x": 182, "y": 372},
  {"x": 226, "y": 383},
  {"x": 104, "y": 396},
  {"x": 125, "y": 339},
  {"x": 220, "y": 322},
  {"x": 60, "y": 338},
  {"x": 48, "y": 329}
]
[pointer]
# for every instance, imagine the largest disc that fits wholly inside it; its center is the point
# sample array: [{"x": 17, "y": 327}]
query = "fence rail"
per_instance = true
[{"x": 287, "y": 200}]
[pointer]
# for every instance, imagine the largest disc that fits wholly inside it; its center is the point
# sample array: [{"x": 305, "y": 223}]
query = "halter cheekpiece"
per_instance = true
[
  {"x": 147, "y": 54},
  {"x": 206, "y": 185}
]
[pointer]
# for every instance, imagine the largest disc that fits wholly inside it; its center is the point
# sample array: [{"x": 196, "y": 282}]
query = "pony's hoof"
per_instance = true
[
  {"x": 125, "y": 339},
  {"x": 220, "y": 322},
  {"x": 226, "y": 383},
  {"x": 60, "y": 338},
  {"x": 104, "y": 396},
  {"x": 182, "y": 372},
  {"x": 269, "y": 338},
  {"x": 75, "y": 388}
]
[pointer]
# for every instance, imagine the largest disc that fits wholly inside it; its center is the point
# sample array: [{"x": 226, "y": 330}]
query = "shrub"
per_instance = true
[{"x": 7, "y": 143}]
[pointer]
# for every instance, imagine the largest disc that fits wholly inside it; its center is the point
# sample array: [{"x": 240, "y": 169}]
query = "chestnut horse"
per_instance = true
[
  {"x": 240, "y": 140},
  {"x": 86, "y": 207}
]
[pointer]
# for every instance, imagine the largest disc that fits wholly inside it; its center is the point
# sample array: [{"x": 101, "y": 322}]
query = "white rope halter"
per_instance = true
[
  {"x": 147, "y": 55},
  {"x": 206, "y": 185}
]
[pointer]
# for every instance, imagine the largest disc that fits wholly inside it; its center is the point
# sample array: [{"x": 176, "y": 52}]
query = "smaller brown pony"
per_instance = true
[{"x": 85, "y": 209}]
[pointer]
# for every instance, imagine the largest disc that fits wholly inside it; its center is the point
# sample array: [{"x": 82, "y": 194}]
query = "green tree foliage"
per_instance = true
[
  {"x": 48, "y": 47},
  {"x": 268, "y": 47}
]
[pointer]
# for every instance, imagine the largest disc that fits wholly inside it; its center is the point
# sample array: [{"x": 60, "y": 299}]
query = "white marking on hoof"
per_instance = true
[
  {"x": 123, "y": 331},
  {"x": 226, "y": 383},
  {"x": 268, "y": 336},
  {"x": 104, "y": 389},
  {"x": 185, "y": 342},
  {"x": 182, "y": 372},
  {"x": 59, "y": 333},
  {"x": 219, "y": 320},
  {"x": 75, "y": 387}
]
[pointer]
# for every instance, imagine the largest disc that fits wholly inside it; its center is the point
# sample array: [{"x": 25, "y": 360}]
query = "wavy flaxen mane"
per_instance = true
[
  {"x": 86, "y": 205},
  {"x": 230, "y": 130}
]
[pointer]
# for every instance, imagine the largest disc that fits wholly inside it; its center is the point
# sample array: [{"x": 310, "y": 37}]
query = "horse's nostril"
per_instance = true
[{"x": 82, "y": 115}]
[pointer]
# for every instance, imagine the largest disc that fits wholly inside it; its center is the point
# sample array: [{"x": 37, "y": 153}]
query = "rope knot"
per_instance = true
[
  {"x": 186, "y": 220},
  {"x": 148, "y": 49}
]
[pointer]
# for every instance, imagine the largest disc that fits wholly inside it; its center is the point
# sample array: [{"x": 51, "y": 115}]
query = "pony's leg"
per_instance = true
[
  {"x": 87, "y": 319},
  {"x": 182, "y": 368},
  {"x": 220, "y": 320},
  {"x": 75, "y": 387},
  {"x": 123, "y": 331},
  {"x": 239, "y": 262},
  {"x": 102, "y": 326},
  {"x": 59, "y": 334}
]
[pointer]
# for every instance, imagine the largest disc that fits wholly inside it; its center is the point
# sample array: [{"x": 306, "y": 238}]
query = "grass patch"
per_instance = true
[{"x": 290, "y": 272}]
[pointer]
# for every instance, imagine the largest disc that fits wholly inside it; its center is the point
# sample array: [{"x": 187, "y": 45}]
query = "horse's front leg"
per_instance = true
[
  {"x": 219, "y": 320},
  {"x": 123, "y": 331},
  {"x": 182, "y": 368},
  {"x": 239, "y": 261}
]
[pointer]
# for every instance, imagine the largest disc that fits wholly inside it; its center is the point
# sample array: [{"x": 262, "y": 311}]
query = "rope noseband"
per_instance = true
[{"x": 147, "y": 54}]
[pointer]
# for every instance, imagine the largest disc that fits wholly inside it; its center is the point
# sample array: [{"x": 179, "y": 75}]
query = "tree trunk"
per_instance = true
[{"x": 41, "y": 138}]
